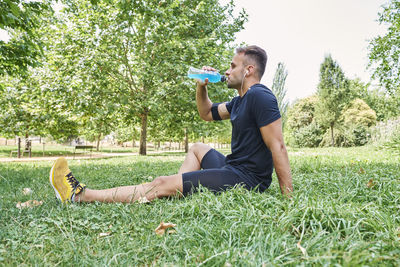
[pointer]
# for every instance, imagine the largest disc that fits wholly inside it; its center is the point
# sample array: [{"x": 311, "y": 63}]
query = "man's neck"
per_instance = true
[{"x": 246, "y": 86}]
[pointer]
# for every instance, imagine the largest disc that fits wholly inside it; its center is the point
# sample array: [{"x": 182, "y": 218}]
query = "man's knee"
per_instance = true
[
  {"x": 199, "y": 148},
  {"x": 167, "y": 185}
]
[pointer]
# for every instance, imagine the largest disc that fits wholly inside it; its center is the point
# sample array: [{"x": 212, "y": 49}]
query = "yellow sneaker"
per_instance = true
[{"x": 64, "y": 183}]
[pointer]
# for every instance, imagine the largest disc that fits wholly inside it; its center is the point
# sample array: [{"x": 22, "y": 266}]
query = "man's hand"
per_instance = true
[
  {"x": 204, "y": 104},
  {"x": 204, "y": 83}
]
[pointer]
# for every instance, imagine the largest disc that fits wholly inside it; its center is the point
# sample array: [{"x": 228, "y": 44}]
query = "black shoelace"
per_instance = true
[{"x": 72, "y": 181}]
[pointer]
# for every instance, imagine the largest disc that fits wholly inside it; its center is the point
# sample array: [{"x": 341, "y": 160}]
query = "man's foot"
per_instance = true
[{"x": 64, "y": 183}]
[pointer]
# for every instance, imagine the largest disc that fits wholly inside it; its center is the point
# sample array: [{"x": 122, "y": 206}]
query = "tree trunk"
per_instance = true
[
  {"x": 133, "y": 142},
  {"x": 333, "y": 138},
  {"x": 186, "y": 141},
  {"x": 26, "y": 142},
  {"x": 98, "y": 142},
  {"x": 19, "y": 146},
  {"x": 143, "y": 134}
]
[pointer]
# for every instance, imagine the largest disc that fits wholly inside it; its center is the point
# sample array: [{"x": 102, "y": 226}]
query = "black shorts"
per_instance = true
[{"x": 216, "y": 176}]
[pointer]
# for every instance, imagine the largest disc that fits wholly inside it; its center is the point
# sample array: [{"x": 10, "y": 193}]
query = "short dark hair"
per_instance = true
[{"x": 256, "y": 54}]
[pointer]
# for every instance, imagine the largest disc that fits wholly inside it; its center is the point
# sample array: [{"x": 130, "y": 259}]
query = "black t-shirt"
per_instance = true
[{"x": 250, "y": 156}]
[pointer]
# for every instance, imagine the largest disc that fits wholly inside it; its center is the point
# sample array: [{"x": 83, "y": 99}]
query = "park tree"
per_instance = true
[
  {"x": 182, "y": 119},
  {"x": 145, "y": 48},
  {"x": 80, "y": 95},
  {"x": 333, "y": 92},
  {"x": 279, "y": 89},
  {"x": 384, "y": 51},
  {"x": 386, "y": 105},
  {"x": 21, "y": 20},
  {"x": 21, "y": 107}
]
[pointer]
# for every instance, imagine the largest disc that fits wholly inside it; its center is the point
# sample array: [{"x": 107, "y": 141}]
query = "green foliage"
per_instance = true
[
  {"x": 393, "y": 143},
  {"x": 333, "y": 92},
  {"x": 21, "y": 108},
  {"x": 353, "y": 128},
  {"x": 348, "y": 135},
  {"x": 279, "y": 90},
  {"x": 336, "y": 214},
  {"x": 135, "y": 55},
  {"x": 385, "y": 105},
  {"x": 302, "y": 113},
  {"x": 303, "y": 130},
  {"x": 387, "y": 135},
  {"x": 21, "y": 19},
  {"x": 308, "y": 136},
  {"x": 126, "y": 133},
  {"x": 359, "y": 113},
  {"x": 385, "y": 50}
]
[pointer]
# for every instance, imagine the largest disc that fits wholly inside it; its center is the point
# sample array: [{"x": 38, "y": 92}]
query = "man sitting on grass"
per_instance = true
[{"x": 257, "y": 145}]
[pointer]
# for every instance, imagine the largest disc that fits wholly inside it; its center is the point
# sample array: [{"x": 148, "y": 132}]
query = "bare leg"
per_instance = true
[
  {"x": 160, "y": 187},
  {"x": 194, "y": 157}
]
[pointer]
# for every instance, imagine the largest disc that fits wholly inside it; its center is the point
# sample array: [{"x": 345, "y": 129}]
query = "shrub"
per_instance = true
[
  {"x": 359, "y": 113},
  {"x": 308, "y": 136},
  {"x": 354, "y": 125},
  {"x": 347, "y": 136},
  {"x": 302, "y": 129}
]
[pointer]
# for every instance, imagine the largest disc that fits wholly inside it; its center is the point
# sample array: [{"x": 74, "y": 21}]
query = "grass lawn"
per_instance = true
[{"x": 345, "y": 211}]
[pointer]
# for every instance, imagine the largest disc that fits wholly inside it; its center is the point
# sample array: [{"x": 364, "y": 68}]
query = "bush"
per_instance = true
[
  {"x": 347, "y": 136},
  {"x": 308, "y": 136},
  {"x": 302, "y": 129},
  {"x": 387, "y": 135},
  {"x": 353, "y": 126},
  {"x": 359, "y": 113}
]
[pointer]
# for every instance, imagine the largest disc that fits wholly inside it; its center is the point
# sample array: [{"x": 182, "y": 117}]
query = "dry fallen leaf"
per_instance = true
[
  {"x": 370, "y": 183},
  {"x": 104, "y": 234},
  {"x": 398, "y": 232},
  {"x": 27, "y": 191},
  {"x": 172, "y": 232},
  {"x": 361, "y": 170},
  {"x": 143, "y": 200},
  {"x": 29, "y": 204},
  {"x": 303, "y": 250},
  {"x": 160, "y": 230}
]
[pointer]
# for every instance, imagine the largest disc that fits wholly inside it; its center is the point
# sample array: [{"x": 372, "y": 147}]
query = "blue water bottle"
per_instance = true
[{"x": 213, "y": 76}]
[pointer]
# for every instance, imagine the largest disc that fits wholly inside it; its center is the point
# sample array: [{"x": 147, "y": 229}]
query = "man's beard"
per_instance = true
[{"x": 232, "y": 85}]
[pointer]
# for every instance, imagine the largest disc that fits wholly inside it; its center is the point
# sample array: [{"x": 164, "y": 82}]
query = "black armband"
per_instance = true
[{"x": 214, "y": 112}]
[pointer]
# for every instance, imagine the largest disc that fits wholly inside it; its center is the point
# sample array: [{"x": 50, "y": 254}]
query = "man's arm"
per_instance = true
[
  {"x": 273, "y": 139},
  {"x": 204, "y": 104}
]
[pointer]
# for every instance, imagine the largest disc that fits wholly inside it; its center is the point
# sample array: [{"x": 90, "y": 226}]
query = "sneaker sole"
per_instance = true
[{"x": 52, "y": 183}]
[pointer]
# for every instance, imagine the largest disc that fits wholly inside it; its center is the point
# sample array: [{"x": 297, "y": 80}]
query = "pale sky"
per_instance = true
[{"x": 300, "y": 33}]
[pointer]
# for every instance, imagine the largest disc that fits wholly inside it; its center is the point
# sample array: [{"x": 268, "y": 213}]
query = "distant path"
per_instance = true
[{"x": 94, "y": 156}]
